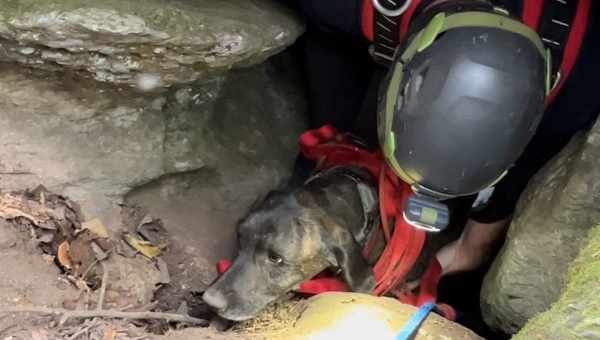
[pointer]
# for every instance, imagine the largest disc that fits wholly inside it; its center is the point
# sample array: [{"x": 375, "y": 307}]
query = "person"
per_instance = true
[{"x": 503, "y": 112}]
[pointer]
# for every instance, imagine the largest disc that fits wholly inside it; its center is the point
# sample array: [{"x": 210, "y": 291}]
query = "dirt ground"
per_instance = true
[
  {"x": 199, "y": 210},
  {"x": 41, "y": 282}
]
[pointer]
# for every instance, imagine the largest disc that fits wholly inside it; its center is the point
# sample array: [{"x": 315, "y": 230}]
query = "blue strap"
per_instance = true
[{"x": 413, "y": 324}]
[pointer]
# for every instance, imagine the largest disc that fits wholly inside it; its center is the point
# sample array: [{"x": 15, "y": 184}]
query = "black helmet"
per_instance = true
[{"x": 461, "y": 101}]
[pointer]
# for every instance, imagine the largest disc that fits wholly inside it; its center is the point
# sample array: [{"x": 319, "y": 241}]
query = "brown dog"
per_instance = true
[{"x": 294, "y": 235}]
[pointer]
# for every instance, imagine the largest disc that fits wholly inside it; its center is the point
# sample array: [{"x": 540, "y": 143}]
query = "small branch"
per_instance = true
[
  {"x": 85, "y": 314},
  {"x": 143, "y": 308},
  {"x": 82, "y": 331},
  {"x": 102, "y": 287}
]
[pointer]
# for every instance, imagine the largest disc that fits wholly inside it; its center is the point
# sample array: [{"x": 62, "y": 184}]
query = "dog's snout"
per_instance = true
[{"x": 215, "y": 299}]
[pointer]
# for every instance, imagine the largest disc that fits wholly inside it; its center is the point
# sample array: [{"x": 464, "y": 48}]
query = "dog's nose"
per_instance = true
[{"x": 214, "y": 299}]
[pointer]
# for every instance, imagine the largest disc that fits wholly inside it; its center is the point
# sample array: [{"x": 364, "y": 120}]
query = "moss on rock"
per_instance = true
[
  {"x": 576, "y": 315},
  {"x": 550, "y": 225}
]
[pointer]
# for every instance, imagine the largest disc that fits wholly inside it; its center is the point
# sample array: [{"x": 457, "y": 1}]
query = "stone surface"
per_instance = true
[
  {"x": 96, "y": 143},
  {"x": 576, "y": 315},
  {"x": 131, "y": 281},
  {"x": 146, "y": 43},
  {"x": 550, "y": 224},
  {"x": 332, "y": 316}
]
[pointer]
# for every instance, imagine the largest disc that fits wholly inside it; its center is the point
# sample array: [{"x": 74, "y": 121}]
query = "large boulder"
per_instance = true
[
  {"x": 576, "y": 314},
  {"x": 336, "y": 315},
  {"x": 161, "y": 42},
  {"x": 97, "y": 143},
  {"x": 550, "y": 225}
]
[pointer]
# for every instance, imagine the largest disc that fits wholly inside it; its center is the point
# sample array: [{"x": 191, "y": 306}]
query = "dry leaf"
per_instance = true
[
  {"x": 144, "y": 247},
  {"x": 110, "y": 333},
  {"x": 45, "y": 236},
  {"x": 96, "y": 227},
  {"x": 49, "y": 259},
  {"x": 64, "y": 255},
  {"x": 165, "y": 277}
]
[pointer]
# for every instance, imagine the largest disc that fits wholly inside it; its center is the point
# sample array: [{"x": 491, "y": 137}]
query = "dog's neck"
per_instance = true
[{"x": 348, "y": 196}]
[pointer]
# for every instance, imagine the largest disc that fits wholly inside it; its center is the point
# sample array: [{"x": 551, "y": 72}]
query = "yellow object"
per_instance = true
[
  {"x": 144, "y": 247},
  {"x": 345, "y": 316},
  {"x": 96, "y": 227}
]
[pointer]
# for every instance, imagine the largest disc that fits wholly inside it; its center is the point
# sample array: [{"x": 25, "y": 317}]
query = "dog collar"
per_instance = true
[{"x": 367, "y": 193}]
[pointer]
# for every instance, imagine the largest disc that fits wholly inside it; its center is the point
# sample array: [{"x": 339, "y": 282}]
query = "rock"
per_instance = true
[
  {"x": 131, "y": 281},
  {"x": 144, "y": 43},
  {"x": 96, "y": 143},
  {"x": 576, "y": 314},
  {"x": 550, "y": 224},
  {"x": 331, "y": 316}
]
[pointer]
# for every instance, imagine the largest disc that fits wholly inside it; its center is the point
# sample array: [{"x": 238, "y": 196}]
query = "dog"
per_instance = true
[{"x": 295, "y": 234}]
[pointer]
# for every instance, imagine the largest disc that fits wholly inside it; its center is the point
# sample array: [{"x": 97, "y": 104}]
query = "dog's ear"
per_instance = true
[
  {"x": 254, "y": 216},
  {"x": 344, "y": 252}
]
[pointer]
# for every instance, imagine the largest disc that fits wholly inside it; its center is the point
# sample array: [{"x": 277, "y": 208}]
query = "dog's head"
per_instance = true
[{"x": 289, "y": 238}]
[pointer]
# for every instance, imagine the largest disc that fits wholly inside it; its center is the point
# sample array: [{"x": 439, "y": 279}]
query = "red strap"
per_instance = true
[
  {"x": 368, "y": 15},
  {"x": 429, "y": 282},
  {"x": 407, "y": 18},
  {"x": 372, "y": 242},
  {"x": 367, "y": 19},
  {"x": 223, "y": 266},
  {"x": 447, "y": 311},
  {"x": 321, "y": 285},
  {"x": 572, "y": 46},
  {"x": 532, "y": 11},
  {"x": 386, "y": 206},
  {"x": 404, "y": 244}
]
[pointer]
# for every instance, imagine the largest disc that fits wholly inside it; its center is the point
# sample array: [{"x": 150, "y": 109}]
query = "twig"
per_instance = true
[
  {"x": 142, "y": 308},
  {"x": 102, "y": 287},
  {"x": 82, "y": 331},
  {"x": 84, "y": 314},
  {"x": 95, "y": 262},
  {"x": 89, "y": 268},
  {"x": 5, "y": 329}
]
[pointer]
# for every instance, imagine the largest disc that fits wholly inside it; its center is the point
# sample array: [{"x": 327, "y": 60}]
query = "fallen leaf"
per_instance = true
[
  {"x": 183, "y": 308},
  {"x": 165, "y": 277},
  {"x": 144, "y": 247},
  {"x": 110, "y": 333},
  {"x": 47, "y": 225},
  {"x": 82, "y": 253},
  {"x": 96, "y": 227},
  {"x": 45, "y": 236},
  {"x": 49, "y": 259},
  {"x": 145, "y": 220},
  {"x": 64, "y": 255},
  {"x": 124, "y": 249},
  {"x": 98, "y": 251}
]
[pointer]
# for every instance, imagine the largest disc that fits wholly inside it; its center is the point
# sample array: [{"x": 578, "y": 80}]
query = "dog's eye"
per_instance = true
[{"x": 274, "y": 258}]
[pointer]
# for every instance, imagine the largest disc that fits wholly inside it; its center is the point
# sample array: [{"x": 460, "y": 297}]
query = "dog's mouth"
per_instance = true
[
  {"x": 235, "y": 315},
  {"x": 240, "y": 309}
]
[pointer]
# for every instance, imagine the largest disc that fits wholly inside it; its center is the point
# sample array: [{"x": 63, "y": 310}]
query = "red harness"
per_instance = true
[
  {"x": 532, "y": 16},
  {"x": 403, "y": 245}
]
